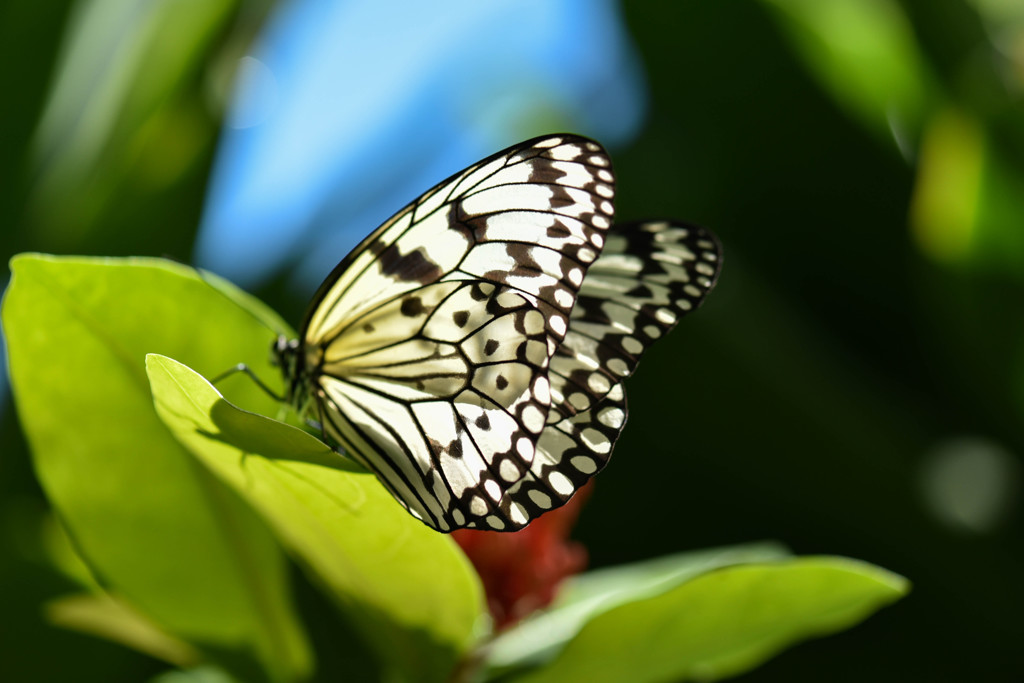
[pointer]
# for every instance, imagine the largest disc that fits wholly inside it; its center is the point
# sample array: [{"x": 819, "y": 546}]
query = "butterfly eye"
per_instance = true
[{"x": 277, "y": 350}]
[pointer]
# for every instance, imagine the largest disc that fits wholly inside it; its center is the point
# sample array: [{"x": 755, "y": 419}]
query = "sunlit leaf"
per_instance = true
[
  {"x": 408, "y": 587},
  {"x": 543, "y": 636},
  {"x": 720, "y": 622},
  {"x": 61, "y": 554},
  {"x": 151, "y": 523}
]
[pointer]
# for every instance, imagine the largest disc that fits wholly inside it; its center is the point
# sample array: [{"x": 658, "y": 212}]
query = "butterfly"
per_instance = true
[{"x": 471, "y": 350}]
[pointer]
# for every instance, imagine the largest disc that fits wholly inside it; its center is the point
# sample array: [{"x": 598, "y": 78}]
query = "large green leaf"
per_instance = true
[
  {"x": 409, "y": 588},
  {"x": 716, "y": 623},
  {"x": 99, "y": 613},
  {"x": 541, "y": 637},
  {"x": 150, "y": 521}
]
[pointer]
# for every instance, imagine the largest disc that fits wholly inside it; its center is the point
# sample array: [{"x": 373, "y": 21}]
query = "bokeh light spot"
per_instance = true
[{"x": 970, "y": 483}]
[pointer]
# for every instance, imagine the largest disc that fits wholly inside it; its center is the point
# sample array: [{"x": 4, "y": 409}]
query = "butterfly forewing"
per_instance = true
[
  {"x": 532, "y": 217},
  {"x": 428, "y": 347}
]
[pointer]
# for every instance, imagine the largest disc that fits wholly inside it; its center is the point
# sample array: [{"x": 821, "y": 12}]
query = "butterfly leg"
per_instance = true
[
  {"x": 242, "y": 367},
  {"x": 320, "y": 424}
]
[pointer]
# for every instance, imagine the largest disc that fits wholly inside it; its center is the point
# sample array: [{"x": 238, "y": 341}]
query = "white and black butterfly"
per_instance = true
[{"x": 471, "y": 350}]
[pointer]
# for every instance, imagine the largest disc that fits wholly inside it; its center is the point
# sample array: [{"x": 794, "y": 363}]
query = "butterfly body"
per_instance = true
[{"x": 463, "y": 353}]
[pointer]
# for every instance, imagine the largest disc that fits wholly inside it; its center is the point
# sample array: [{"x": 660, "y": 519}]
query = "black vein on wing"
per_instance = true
[{"x": 382, "y": 455}]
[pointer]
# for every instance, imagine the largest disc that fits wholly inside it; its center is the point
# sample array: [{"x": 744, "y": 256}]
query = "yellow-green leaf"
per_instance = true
[{"x": 407, "y": 587}]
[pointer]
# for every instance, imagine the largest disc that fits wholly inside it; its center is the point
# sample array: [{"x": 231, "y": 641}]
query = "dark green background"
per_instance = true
[{"x": 800, "y": 404}]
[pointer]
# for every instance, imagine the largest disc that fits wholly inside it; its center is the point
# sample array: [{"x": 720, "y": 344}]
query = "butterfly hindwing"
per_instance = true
[
  {"x": 650, "y": 275},
  {"x": 427, "y": 349}
]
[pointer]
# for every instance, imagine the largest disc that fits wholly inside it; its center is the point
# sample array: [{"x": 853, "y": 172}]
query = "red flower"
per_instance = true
[{"x": 521, "y": 571}]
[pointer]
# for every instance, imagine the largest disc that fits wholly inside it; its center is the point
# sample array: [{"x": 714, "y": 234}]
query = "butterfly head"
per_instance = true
[{"x": 285, "y": 353}]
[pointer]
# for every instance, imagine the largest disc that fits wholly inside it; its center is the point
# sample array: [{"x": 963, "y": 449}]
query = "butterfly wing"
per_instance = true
[
  {"x": 649, "y": 275},
  {"x": 427, "y": 349}
]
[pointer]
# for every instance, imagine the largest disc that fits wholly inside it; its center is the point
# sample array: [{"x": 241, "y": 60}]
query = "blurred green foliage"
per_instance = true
[
  {"x": 124, "y": 109},
  {"x": 864, "y": 167}
]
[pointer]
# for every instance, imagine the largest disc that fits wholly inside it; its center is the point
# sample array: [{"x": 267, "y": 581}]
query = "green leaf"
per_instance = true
[
  {"x": 102, "y": 615},
  {"x": 408, "y": 587},
  {"x": 541, "y": 637},
  {"x": 200, "y": 675},
  {"x": 152, "y": 524},
  {"x": 721, "y": 622}
]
